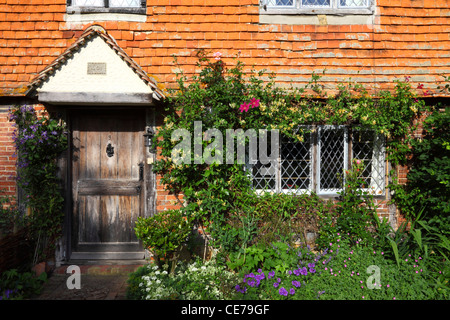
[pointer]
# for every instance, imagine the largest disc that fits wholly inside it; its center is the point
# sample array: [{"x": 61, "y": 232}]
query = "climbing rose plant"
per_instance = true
[{"x": 229, "y": 96}]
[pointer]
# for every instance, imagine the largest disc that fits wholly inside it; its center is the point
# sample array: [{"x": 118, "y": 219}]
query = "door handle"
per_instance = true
[{"x": 141, "y": 171}]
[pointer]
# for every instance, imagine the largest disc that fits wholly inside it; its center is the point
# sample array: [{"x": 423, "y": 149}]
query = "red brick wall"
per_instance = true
[{"x": 7, "y": 158}]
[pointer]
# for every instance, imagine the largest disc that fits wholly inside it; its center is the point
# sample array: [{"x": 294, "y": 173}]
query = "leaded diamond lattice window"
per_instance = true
[
  {"x": 281, "y": 3},
  {"x": 295, "y": 160},
  {"x": 305, "y": 5},
  {"x": 368, "y": 148},
  {"x": 93, "y": 6},
  {"x": 317, "y": 163}
]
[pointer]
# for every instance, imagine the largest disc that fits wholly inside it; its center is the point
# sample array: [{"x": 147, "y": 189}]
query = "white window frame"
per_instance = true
[
  {"x": 333, "y": 9},
  {"x": 316, "y": 162},
  {"x": 320, "y": 130},
  {"x": 105, "y": 8}
]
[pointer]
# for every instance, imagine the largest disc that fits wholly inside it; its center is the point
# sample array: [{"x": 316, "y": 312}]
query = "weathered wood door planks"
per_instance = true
[{"x": 107, "y": 185}]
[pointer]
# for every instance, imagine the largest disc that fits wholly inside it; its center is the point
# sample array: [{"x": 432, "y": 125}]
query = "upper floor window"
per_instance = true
[
  {"x": 106, "y": 6},
  {"x": 317, "y": 6}
]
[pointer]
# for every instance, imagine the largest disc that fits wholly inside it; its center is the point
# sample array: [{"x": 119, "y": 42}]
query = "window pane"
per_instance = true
[
  {"x": 125, "y": 3},
  {"x": 353, "y": 3},
  {"x": 369, "y": 148},
  {"x": 88, "y": 3},
  {"x": 296, "y": 163},
  {"x": 280, "y": 3},
  {"x": 315, "y": 3},
  {"x": 332, "y": 157},
  {"x": 264, "y": 176}
]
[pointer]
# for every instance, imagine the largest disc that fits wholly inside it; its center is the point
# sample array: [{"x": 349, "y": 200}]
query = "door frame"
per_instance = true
[{"x": 148, "y": 192}]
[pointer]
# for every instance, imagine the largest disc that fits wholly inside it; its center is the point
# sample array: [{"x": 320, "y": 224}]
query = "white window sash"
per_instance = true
[{"x": 320, "y": 131}]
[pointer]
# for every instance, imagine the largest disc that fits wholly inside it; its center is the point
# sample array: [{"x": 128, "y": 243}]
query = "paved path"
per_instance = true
[{"x": 98, "y": 282}]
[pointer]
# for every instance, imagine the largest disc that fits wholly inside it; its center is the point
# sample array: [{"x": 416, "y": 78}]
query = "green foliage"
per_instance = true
[
  {"x": 277, "y": 256},
  {"x": 345, "y": 272},
  {"x": 428, "y": 184},
  {"x": 10, "y": 217},
  {"x": 355, "y": 212},
  {"x": 15, "y": 285},
  {"x": 196, "y": 280},
  {"x": 426, "y": 238},
  {"x": 356, "y": 209},
  {"x": 230, "y": 97},
  {"x": 39, "y": 141},
  {"x": 164, "y": 234}
]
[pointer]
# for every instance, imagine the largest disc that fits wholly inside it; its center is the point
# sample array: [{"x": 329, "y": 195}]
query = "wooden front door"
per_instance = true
[{"x": 107, "y": 184}]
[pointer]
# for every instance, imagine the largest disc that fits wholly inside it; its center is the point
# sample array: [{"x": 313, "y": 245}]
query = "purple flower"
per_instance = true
[
  {"x": 283, "y": 292},
  {"x": 251, "y": 283},
  {"x": 241, "y": 290},
  {"x": 276, "y": 284},
  {"x": 271, "y": 274},
  {"x": 292, "y": 291},
  {"x": 296, "y": 283}
]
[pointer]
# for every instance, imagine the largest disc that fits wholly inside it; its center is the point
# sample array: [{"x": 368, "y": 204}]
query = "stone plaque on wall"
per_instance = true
[{"x": 96, "y": 68}]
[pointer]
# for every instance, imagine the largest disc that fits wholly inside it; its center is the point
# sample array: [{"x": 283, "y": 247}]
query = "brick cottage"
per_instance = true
[{"x": 105, "y": 65}]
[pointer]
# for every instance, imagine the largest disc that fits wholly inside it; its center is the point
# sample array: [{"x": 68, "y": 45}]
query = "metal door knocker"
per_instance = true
[{"x": 109, "y": 150}]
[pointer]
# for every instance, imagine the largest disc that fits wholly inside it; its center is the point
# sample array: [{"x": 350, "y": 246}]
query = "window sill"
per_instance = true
[
  {"x": 90, "y": 10},
  {"x": 105, "y": 16},
  {"x": 327, "y": 11},
  {"x": 316, "y": 16}
]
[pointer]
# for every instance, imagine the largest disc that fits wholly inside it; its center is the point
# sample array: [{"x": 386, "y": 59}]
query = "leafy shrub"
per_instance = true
[
  {"x": 428, "y": 239},
  {"x": 355, "y": 212},
  {"x": 15, "y": 285},
  {"x": 10, "y": 217},
  {"x": 192, "y": 281},
  {"x": 428, "y": 183},
  {"x": 163, "y": 234},
  {"x": 285, "y": 217}
]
